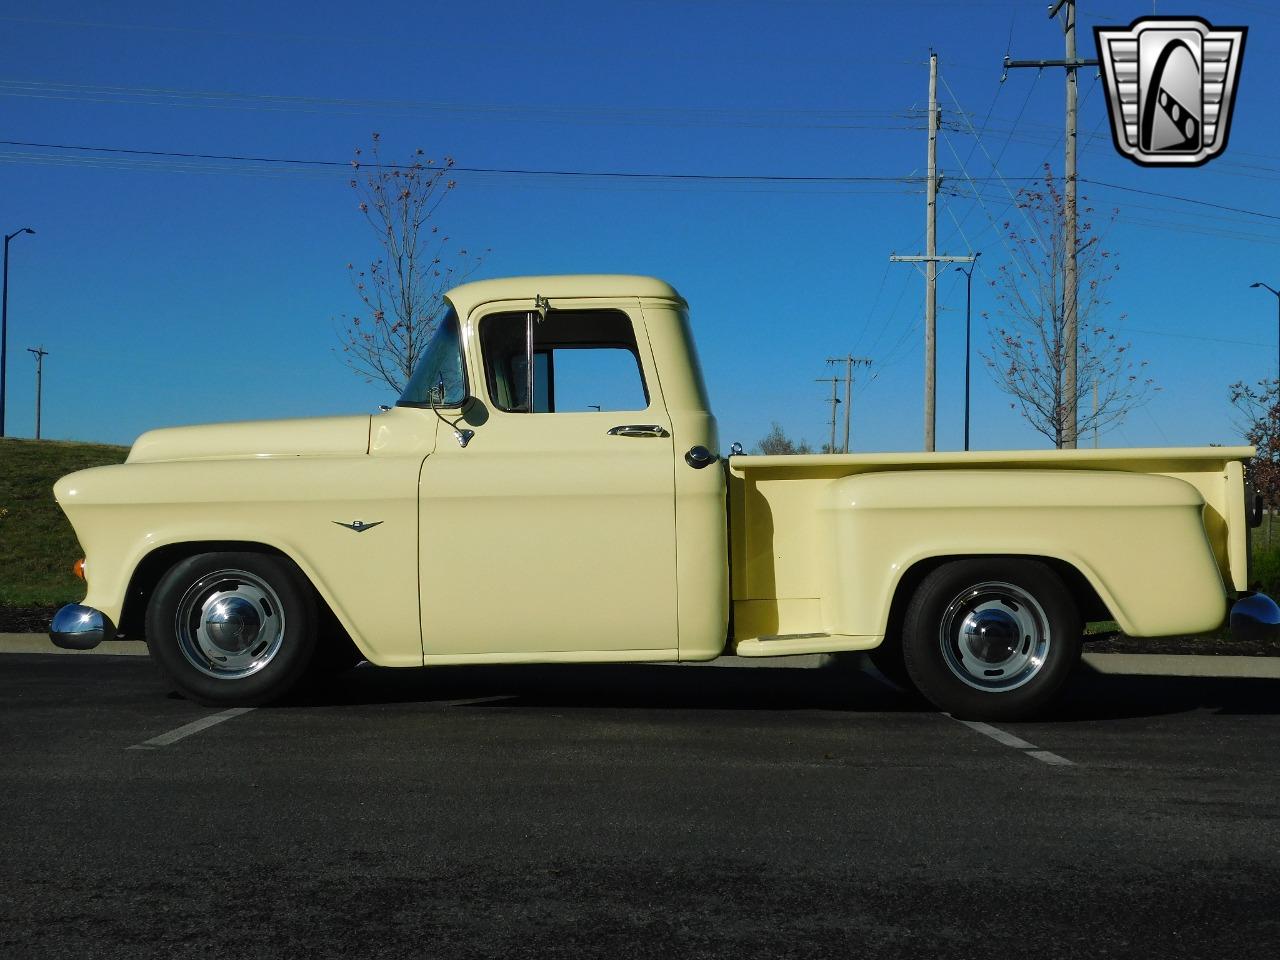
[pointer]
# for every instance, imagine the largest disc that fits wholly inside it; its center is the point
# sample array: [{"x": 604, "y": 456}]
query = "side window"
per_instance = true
[{"x": 583, "y": 361}]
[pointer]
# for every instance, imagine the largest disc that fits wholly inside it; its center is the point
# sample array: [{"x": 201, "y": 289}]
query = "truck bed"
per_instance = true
[{"x": 803, "y": 571}]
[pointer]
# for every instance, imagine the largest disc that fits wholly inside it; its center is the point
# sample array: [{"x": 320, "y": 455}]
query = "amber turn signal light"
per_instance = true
[{"x": 78, "y": 568}]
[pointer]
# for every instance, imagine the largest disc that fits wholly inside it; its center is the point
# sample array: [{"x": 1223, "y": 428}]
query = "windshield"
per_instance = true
[{"x": 440, "y": 363}]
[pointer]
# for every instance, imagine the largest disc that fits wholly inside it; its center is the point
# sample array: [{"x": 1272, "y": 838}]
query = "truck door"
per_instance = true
[{"x": 553, "y": 530}]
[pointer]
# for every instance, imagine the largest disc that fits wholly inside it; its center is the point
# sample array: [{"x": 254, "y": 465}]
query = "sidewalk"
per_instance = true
[{"x": 1128, "y": 664}]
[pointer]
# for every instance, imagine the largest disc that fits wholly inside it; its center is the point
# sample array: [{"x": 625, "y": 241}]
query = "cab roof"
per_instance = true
[{"x": 467, "y": 297}]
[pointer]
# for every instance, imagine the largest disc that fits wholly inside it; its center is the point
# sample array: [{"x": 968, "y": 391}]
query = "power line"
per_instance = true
[
  {"x": 1125, "y": 328},
  {"x": 976, "y": 141},
  {"x": 509, "y": 171},
  {"x": 815, "y": 118},
  {"x": 875, "y": 302},
  {"x": 893, "y": 313},
  {"x": 272, "y": 172},
  {"x": 1208, "y": 224},
  {"x": 640, "y": 176},
  {"x": 1008, "y": 48},
  {"x": 1004, "y": 239},
  {"x": 1234, "y": 165},
  {"x": 1057, "y": 138},
  {"x": 1033, "y": 227},
  {"x": 1182, "y": 199}
]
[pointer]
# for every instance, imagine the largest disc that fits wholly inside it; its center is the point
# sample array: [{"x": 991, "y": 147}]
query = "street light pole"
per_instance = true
[
  {"x": 1277, "y": 293},
  {"x": 4, "y": 321},
  {"x": 968, "y": 337}
]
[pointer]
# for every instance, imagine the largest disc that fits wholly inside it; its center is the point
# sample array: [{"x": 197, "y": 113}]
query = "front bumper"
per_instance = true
[{"x": 77, "y": 627}]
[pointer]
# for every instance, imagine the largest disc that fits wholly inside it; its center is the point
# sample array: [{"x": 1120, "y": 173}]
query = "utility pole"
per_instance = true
[
  {"x": 39, "y": 353},
  {"x": 835, "y": 399},
  {"x": 931, "y": 259},
  {"x": 1071, "y": 284},
  {"x": 849, "y": 362},
  {"x": 931, "y": 267},
  {"x": 931, "y": 262}
]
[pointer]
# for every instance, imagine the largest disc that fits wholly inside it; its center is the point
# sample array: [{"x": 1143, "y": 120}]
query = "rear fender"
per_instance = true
[{"x": 1137, "y": 540}]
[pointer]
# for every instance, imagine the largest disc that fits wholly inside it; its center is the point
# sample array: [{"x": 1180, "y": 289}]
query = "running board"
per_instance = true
[{"x": 790, "y": 644}]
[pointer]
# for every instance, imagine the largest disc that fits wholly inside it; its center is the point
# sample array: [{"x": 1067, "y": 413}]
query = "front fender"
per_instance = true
[{"x": 295, "y": 505}]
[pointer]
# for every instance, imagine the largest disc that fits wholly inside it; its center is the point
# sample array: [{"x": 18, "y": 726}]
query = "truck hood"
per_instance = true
[{"x": 311, "y": 437}]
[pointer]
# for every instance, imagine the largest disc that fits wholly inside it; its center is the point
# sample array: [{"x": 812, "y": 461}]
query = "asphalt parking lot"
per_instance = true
[{"x": 632, "y": 811}]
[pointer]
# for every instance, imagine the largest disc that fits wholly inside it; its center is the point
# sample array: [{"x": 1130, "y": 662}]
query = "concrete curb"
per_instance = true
[
  {"x": 1169, "y": 665},
  {"x": 40, "y": 643},
  {"x": 1122, "y": 664}
]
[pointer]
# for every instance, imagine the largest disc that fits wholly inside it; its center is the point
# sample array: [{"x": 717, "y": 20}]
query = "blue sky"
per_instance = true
[{"x": 168, "y": 295}]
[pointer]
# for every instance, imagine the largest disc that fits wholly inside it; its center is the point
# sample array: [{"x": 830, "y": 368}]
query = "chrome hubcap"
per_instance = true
[
  {"x": 994, "y": 636},
  {"x": 230, "y": 624}
]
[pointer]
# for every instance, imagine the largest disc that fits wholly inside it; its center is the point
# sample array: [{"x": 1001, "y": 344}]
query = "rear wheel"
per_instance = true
[
  {"x": 991, "y": 638},
  {"x": 232, "y": 628}
]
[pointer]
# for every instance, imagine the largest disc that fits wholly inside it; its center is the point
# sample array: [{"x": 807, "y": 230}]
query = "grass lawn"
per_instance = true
[{"x": 37, "y": 544}]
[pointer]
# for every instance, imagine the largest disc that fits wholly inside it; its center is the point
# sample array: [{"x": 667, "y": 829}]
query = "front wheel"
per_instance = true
[
  {"x": 232, "y": 629},
  {"x": 991, "y": 639}
]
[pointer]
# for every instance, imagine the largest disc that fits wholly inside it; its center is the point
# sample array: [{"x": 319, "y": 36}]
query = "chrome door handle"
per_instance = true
[{"x": 638, "y": 430}]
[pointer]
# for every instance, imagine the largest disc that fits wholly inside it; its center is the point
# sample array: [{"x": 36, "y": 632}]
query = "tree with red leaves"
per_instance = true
[
  {"x": 1258, "y": 406},
  {"x": 1028, "y": 357},
  {"x": 402, "y": 291}
]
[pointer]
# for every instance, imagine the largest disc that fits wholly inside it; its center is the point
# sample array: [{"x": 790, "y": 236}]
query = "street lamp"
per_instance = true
[
  {"x": 1277, "y": 293},
  {"x": 968, "y": 330},
  {"x": 4, "y": 321}
]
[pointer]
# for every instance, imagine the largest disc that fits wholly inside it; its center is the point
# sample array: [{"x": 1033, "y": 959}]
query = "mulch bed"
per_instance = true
[
  {"x": 1223, "y": 646},
  {"x": 26, "y": 619}
]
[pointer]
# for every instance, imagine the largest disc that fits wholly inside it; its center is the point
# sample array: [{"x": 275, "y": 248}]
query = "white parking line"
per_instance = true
[
  {"x": 987, "y": 730},
  {"x": 472, "y": 701},
  {"x": 1009, "y": 740},
  {"x": 1050, "y": 758},
  {"x": 187, "y": 729},
  {"x": 996, "y": 734}
]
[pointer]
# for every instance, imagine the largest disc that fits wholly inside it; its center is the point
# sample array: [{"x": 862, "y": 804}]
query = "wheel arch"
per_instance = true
[
  {"x": 1084, "y": 594},
  {"x": 147, "y": 573}
]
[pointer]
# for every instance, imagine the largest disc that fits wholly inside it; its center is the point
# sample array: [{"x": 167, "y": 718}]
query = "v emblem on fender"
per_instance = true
[{"x": 359, "y": 526}]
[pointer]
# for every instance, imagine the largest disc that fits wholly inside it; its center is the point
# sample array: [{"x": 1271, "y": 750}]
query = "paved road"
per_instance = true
[{"x": 632, "y": 811}]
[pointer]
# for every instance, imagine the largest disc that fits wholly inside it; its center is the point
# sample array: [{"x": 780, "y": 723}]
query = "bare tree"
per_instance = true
[
  {"x": 402, "y": 291},
  {"x": 1258, "y": 408},
  {"x": 1028, "y": 356},
  {"x": 777, "y": 442}
]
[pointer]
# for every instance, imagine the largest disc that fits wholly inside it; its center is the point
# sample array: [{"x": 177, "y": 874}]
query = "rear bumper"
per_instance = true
[
  {"x": 77, "y": 627},
  {"x": 1255, "y": 617}
]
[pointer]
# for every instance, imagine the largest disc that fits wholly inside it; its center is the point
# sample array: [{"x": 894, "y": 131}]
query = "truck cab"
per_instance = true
[{"x": 587, "y": 484}]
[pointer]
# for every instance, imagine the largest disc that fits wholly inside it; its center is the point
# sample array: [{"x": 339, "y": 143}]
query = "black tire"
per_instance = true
[
  {"x": 262, "y": 646},
  {"x": 991, "y": 639},
  {"x": 889, "y": 660}
]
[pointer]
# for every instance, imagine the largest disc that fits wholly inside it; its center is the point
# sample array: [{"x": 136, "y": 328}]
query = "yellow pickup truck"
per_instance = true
[{"x": 549, "y": 488}]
